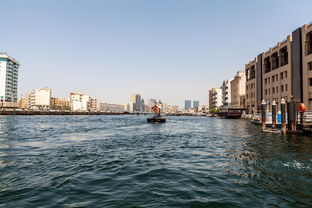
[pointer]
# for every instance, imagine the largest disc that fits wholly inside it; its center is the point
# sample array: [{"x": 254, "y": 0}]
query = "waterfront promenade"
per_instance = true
[{"x": 123, "y": 161}]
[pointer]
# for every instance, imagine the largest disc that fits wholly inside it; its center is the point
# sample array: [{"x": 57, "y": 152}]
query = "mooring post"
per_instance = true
[
  {"x": 291, "y": 112},
  {"x": 273, "y": 114},
  {"x": 283, "y": 111},
  {"x": 263, "y": 114}
]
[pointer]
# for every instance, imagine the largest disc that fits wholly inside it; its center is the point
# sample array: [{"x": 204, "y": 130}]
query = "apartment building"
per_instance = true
[
  {"x": 215, "y": 98},
  {"x": 8, "y": 80},
  {"x": 40, "y": 99},
  {"x": 79, "y": 101},
  {"x": 226, "y": 92}
]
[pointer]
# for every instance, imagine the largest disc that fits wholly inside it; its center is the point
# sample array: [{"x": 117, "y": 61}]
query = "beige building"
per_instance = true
[
  {"x": 238, "y": 90},
  {"x": 60, "y": 104},
  {"x": 306, "y": 32},
  {"x": 251, "y": 83},
  {"x": 24, "y": 103},
  {"x": 277, "y": 69},
  {"x": 40, "y": 99},
  {"x": 93, "y": 105}
]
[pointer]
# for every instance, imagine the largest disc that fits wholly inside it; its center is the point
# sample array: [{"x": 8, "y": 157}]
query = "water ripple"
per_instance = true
[{"x": 122, "y": 161}]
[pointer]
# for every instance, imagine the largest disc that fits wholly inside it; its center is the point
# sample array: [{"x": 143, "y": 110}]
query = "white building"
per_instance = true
[
  {"x": 79, "y": 101},
  {"x": 40, "y": 98},
  {"x": 215, "y": 98},
  {"x": 8, "y": 80},
  {"x": 226, "y": 92}
]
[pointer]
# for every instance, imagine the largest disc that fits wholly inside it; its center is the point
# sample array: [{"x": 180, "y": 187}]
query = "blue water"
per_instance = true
[{"x": 123, "y": 161}]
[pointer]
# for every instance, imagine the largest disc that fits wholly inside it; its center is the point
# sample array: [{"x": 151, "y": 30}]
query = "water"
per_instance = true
[{"x": 123, "y": 161}]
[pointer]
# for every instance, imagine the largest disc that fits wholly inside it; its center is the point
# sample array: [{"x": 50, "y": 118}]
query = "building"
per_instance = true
[
  {"x": 60, "y": 104},
  {"x": 238, "y": 90},
  {"x": 79, "y": 101},
  {"x": 253, "y": 75},
  {"x": 226, "y": 92},
  {"x": 8, "y": 81},
  {"x": 306, "y": 51},
  {"x": 195, "y": 105},
  {"x": 24, "y": 102},
  {"x": 284, "y": 71},
  {"x": 112, "y": 108},
  {"x": 187, "y": 104},
  {"x": 215, "y": 98},
  {"x": 40, "y": 99},
  {"x": 136, "y": 104},
  {"x": 93, "y": 105}
]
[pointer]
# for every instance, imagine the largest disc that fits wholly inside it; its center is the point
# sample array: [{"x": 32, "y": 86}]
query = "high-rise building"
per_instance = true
[
  {"x": 195, "y": 104},
  {"x": 8, "y": 80},
  {"x": 187, "y": 104},
  {"x": 40, "y": 98},
  {"x": 136, "y": 103}
]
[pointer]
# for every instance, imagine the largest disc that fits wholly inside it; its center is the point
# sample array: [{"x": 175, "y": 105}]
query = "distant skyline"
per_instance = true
[{"x": 172, "y": 50}]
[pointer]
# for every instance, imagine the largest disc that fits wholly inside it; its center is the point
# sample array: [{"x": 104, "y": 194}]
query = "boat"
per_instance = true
[
  {"x": 231, "y": 112},
  {"x": 157, "y": 118}
]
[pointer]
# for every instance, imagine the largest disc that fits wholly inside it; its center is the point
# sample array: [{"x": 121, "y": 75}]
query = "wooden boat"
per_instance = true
[
  {"x": 155, "y": 119},
  {"x": 230, "y": 112}
]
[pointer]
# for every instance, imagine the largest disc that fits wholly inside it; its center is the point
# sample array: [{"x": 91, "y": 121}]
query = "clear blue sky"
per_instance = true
[{"x": 168, "y": 49}]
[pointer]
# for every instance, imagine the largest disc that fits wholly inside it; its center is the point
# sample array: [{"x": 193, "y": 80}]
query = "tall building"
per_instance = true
[
  {"x": 195, "y": 104},
  {"x": 238, "y": 90},
  {"x": 8, "y": 80},
  {"x": 187, "y": 104},
  {"x": 40, "y": 98},
  {"x": 136, "y": 103},
  {"x": 226, "y": 92},
  {"x": 215, "y": 98}
]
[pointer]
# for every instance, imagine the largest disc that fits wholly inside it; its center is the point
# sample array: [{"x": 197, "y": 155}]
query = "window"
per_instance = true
[
  {"x": 267, "y": 64},
  {"x": 281, "y": 75},
  {"x": 283, "y": 56},
  {"x": 310, "y": 66},
  {"x": 276, "y": 89},
  {"x": 276, "y": 77},
  {"x": 269, "y": 80},
  {"x": 273, "y": 90},
  {"x": 286, "y": 74},
  {"x": 275, "y": 61},
  {"x": 282, "y": 88},
  {"x": 266, "y": 91},
  {"x": 265, "y": 81},
  {"x": 310, "y": 81},
  {"x": 273, "y": 78}
]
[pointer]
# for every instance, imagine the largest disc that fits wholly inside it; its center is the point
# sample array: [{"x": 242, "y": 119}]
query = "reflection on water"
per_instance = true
[{"x": 123, "y": 161}]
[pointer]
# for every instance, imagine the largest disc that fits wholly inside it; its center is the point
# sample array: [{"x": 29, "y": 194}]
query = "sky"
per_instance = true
[{"x": 173, "y": 50}]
